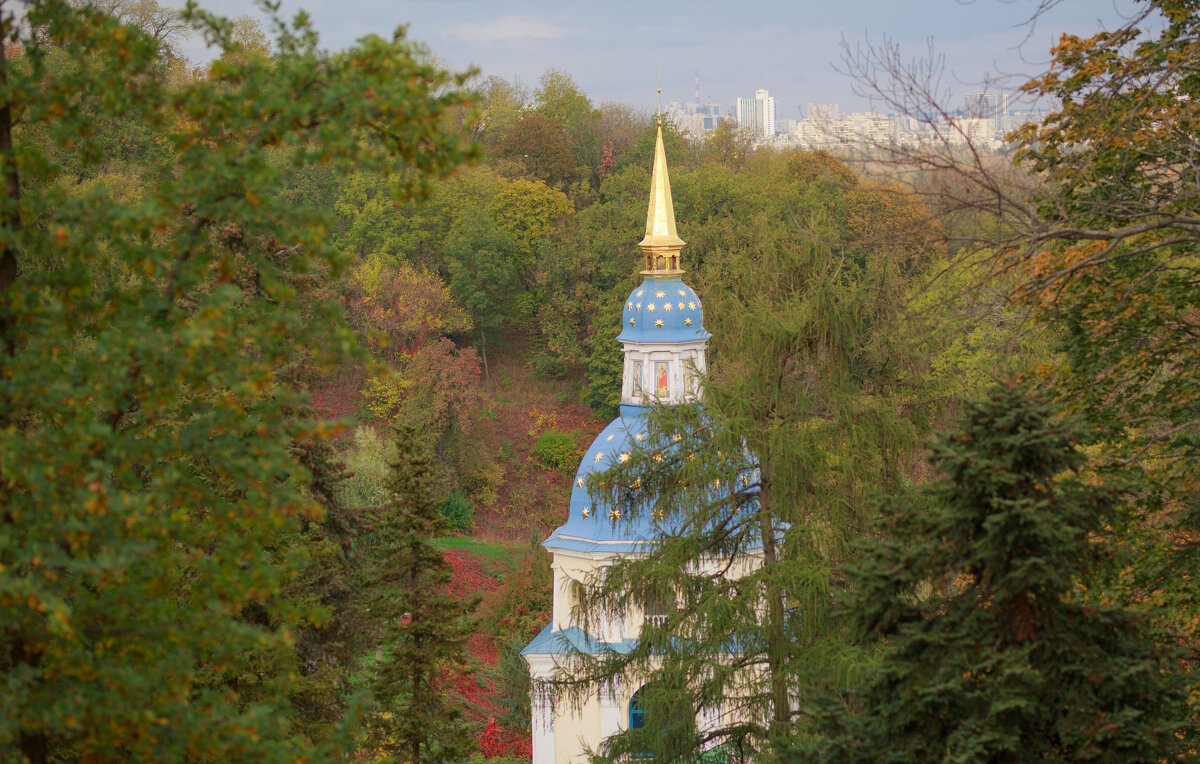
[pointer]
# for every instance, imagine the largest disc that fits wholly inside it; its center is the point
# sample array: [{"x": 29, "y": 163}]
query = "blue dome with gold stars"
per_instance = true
[
  {"x": 596, "y": 526},
  {"x": 663, "y": 310}
]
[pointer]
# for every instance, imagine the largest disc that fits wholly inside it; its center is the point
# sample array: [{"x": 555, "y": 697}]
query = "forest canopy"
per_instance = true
[{"x": 299, "y": 352}]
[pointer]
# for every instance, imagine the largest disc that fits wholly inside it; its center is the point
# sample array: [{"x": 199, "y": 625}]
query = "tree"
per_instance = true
[
  {"x": 528, "y": 211},
  {"x": 1098, "y": 219},
  {"x": 503, "y": 102},
  {"x": 163, "y": 25},
  {"x": 727, "y": 145},
  {"x": 541, "y": 146},
  {"x": 399, "y": 310},
  {"x": 808, "y": 406},
  {"x": 986, "y": 595},
  {"x": 426, "y": 628},
  {"x": 484, "y": 273},
  {"x": 1113, "y": 266},
  {"x": 148, "y": 460},
  {"x": 558, "y": 97}
]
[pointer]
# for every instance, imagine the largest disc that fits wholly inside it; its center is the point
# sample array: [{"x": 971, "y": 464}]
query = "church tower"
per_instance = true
[{"x": 664, "y": 341}]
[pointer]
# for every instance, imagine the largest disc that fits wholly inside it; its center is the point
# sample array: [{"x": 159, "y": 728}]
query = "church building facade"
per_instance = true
[{"x": 664, "y": 343}]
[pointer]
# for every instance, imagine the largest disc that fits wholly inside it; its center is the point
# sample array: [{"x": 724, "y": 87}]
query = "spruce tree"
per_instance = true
[
  {"x": 425, "y": 627},
  {"x": 999, "y": 643}
]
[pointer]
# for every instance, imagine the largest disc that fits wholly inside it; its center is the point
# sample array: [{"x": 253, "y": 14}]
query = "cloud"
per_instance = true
[{"x": 509, "y": 28}]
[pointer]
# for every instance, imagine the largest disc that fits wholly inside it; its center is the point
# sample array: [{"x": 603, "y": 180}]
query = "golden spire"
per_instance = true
[
  {"x": 660, "y": 97},
  {"x": 662, "y": 243}
]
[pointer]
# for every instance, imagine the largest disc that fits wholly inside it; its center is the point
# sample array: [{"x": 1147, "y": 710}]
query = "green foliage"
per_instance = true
[
  {"x": 398, "y": 309},
  {"x": 157, "y": 504},
  {"x": 809, "y": 407},
  {"x": 425, "y": 628},
  {"x": 559, "y": 98},
  {"x": 458, "y": 512},
  {"x": 528, "y": 211},
  {"x": 998, "y": 641},
  {"x": 367, "y": 463},
  {"x": 517, "y": 612},
  {"x": 605, "y": 365},
  {"x": 484, "y": 270},
  {"x": 557, "y": 450},
  {"x": 1111, "y": 268},
  {"x": 384, "y": 395},
  {"x": 501, "y": 107},
  {"x": 541, "y": 147}
]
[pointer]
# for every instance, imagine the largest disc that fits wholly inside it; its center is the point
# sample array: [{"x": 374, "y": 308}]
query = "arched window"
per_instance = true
[
  {"x": 637, "y": 712},
  {"x": 655, "y": 715}
]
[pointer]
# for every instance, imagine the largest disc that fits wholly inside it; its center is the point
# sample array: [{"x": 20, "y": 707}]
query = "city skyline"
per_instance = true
[{"x": 613, "y": 50}]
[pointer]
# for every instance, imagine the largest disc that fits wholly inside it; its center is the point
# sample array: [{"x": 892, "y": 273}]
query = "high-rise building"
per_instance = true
[
  {"x": 757, "y": 115},
  {"x": 986, "y": 105}
]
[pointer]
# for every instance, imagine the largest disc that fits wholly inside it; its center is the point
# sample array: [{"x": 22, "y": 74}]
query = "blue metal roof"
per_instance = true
[
  {"x": 573, "y": 640},
  {"x": 595, "y": 526},
  {"x": 662, "y": 309},
  {"x": 589, "y": 523}
]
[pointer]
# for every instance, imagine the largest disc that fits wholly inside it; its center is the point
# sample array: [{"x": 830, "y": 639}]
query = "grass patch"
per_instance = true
[{"x": 496, "y": 553}]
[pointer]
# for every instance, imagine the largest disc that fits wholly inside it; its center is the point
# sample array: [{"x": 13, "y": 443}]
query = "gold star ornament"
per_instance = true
[
  {"x": 579, "y": 482},
  {"x": 587, "y": 512},
  {"x": 599, "y": 456},
  {"x": 686, "y": 321},
  {"x": 614, "y": 514},
  {"x": 658, "y": 322},
  {"x": 660, "y": 293}
]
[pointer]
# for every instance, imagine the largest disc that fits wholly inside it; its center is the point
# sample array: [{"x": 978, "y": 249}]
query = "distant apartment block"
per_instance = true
[
  {"x": 987, "y": 105},
  {"x": 827, "y": 112},
  {"x": 694, "y": 118},
  {"x": 757, "y": 115},
  {"x": 988, "y": 119}
]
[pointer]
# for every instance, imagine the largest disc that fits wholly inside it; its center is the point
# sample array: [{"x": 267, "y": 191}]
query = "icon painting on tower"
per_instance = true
[{"x": 660, "y": 377}]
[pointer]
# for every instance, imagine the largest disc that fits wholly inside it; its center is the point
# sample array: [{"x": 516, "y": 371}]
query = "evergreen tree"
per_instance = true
[
  {"x": 425, "y": 627},
  {"x": 801, "y": 417},
  {"x": 1000, "y": 645}
]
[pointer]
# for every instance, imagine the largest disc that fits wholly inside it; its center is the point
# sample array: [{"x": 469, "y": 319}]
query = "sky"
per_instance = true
[{"x": 792, "y": 48}]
